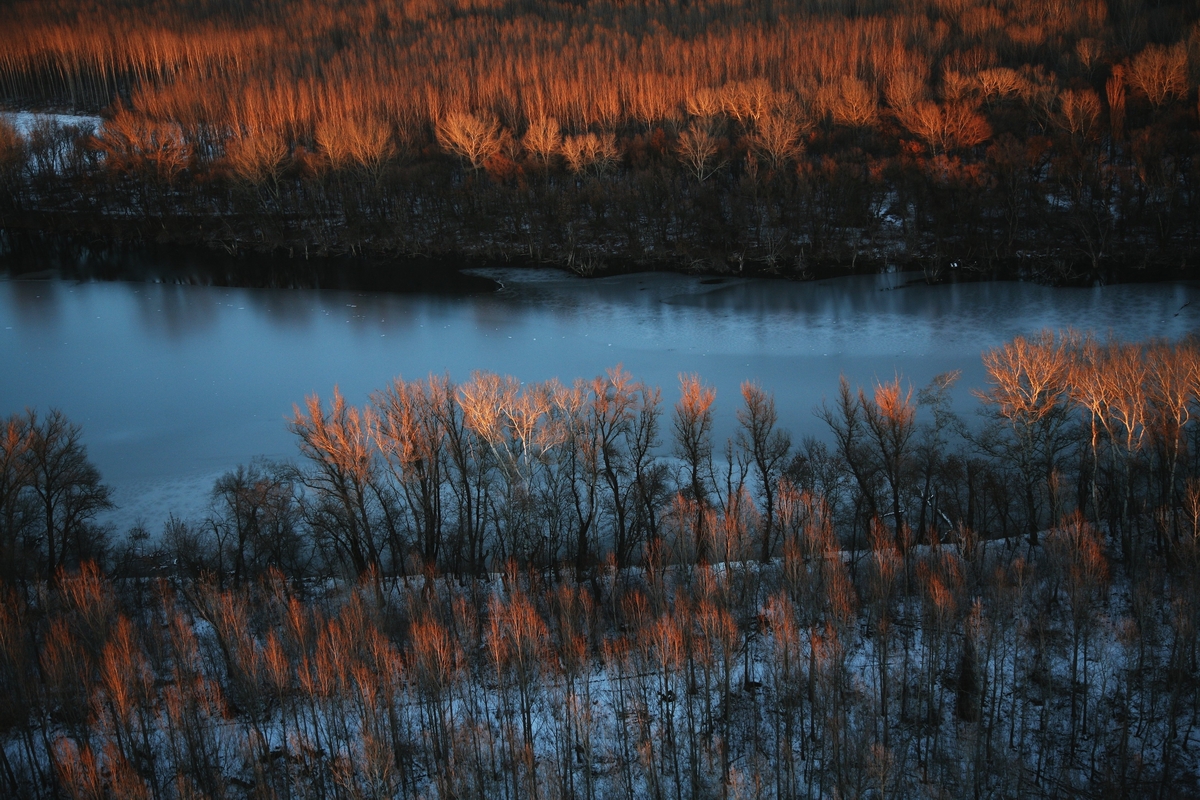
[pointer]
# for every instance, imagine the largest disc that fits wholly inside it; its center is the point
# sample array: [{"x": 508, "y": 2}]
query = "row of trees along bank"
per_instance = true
[
  {"x": 911, "y": 607},
  {"x": 463, "y": 477}
]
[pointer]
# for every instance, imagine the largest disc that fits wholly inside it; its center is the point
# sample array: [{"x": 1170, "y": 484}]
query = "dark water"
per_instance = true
[{"x": 175, "y": 384}]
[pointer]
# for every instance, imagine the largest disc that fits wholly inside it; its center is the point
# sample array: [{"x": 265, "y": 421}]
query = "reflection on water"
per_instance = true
[
  {"x": 35, "y": 304},
  {"x": 170, "y": 310},
  {"x": 175, "y": 384}
]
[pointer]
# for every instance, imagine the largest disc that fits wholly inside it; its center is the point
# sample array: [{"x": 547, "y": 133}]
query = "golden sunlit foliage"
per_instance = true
[
  {"x": 1033, "y": 139},
  {"x": 346, "y": 77}
]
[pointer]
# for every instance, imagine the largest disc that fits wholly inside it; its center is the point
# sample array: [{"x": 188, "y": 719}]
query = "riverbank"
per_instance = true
[
  {"x": 184, "y": 254},
  {"x": 32, "y": 254}
]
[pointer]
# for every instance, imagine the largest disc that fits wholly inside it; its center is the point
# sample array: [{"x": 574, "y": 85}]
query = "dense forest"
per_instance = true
[
  {"x": 1048, "y": 140},
  {"x": 508, "y": 590}
]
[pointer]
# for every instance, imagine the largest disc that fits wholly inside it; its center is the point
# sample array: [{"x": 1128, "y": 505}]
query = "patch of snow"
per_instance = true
[{"x": 26, "y": 121}]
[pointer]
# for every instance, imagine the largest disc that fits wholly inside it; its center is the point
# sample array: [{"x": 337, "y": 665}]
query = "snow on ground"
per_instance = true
[{"x": 26, "y": 121}]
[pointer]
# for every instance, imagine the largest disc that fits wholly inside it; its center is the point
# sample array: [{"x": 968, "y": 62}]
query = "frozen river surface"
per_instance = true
[{"x": 175, "y": 384}]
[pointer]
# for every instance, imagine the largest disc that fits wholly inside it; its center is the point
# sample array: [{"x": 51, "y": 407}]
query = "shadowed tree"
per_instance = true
[
  {"x": 256, "y": 520},
  {"x": 1076, "y": 551},
  {"x": 767, "y": 447},
  {"x": 68, "y": 493},
  {"x": 13, "y": 153},
  {"x": 648, "y": 476},
  {"x": 931, "y": 449},
  {"x": 693, "y": 446},
  {"x": 16, "y": 510},
  {"x": 850, "y": 433}
]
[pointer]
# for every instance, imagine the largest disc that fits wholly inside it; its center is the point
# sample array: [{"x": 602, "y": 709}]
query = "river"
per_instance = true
[{"x": 174, "y": 384}]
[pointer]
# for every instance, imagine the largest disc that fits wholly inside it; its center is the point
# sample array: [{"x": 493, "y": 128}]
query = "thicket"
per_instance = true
[
  {"x": 1055, "y": 140},
  {"x": 506, "y": 590}
]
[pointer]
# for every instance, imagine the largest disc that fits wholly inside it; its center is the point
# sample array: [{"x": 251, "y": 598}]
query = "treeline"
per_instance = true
[
  {"x": 546, "y": 606},
  {"x": 1054, "y": 140},
  {"x": 468, "y": 477}
]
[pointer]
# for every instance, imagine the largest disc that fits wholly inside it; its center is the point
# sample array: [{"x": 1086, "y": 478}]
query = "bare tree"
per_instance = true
[
  {"x": 948, "y": 127},
  {"x": 370, "y": 144},
  {"x": 1160, "y": 72},
  {"x": 767, "y": 448},
  {"x": 693, "y": 446},
  {"x": 931, "y": 450},
  {"x": 1114, "y": 91},
  {"x": 777, "y": 139},
  {"x": 854, "y": 104},
  {"x": 886, "y": 562},
  {"x": 846, "y": 423},
  {"x": 1076, "y": 551},
  {"x": 411, "y": 435},
  {"x": 1174, "y": 378},
  {"x": 891, "y": 421},
  {"x": 1000, "y": 82},
  {"x": 338, "y": 447},
  {"x": 904, "y": 89},
  {"x": 1029, "y": 385},
  {"x": 135, "y": 142},
  {"x": 1079, "y": 112},
  {"x": 704, "y": 103},
  {"x": 361, "y": 141},
  {"x": 256, "y": 516},
  {"x": 258, "y": 158},
  {"x": 543, "y": 139},
  {"x": 590, "y": 152},
  {"x": 16, "y": 511},
  {"x": 698, "y": 150},
  {"x": 13, "y": 154},
  {"x": 470, "y": 137},
  {"x": 68, "y": 491}
]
